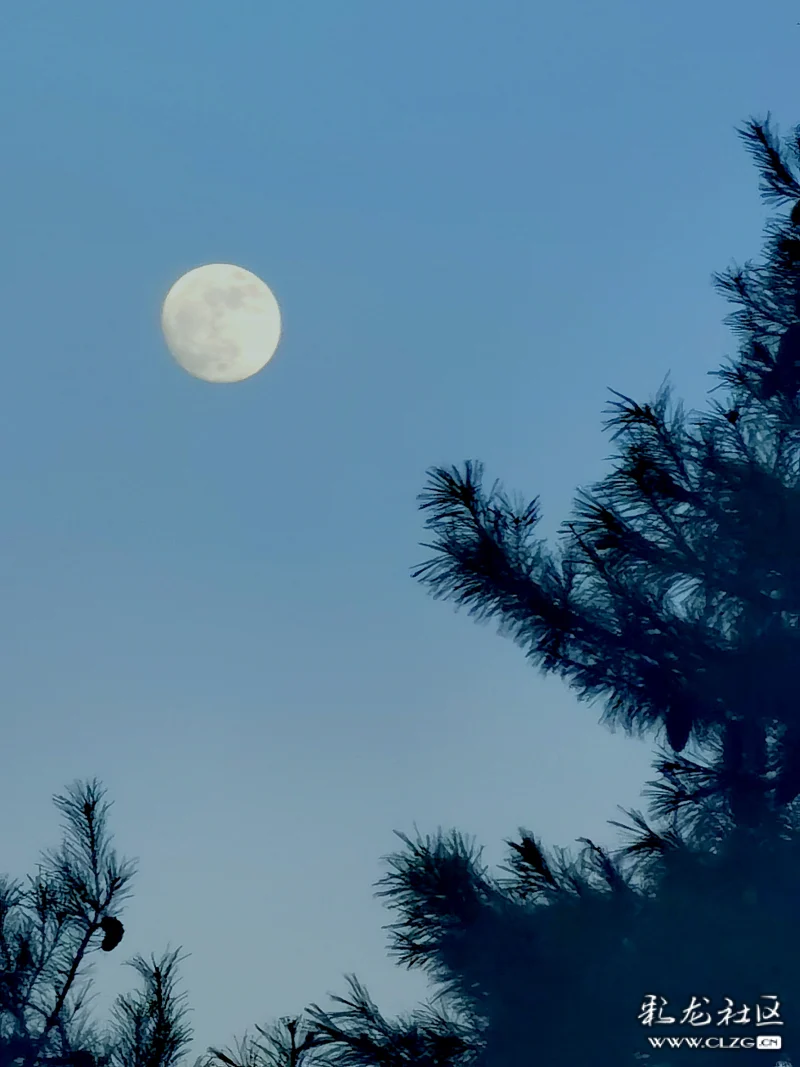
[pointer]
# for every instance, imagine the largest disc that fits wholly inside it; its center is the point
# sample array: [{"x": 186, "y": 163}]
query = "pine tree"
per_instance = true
[
  {"x": 50, "y": 927},
  {"x": 673, "y": 597}
]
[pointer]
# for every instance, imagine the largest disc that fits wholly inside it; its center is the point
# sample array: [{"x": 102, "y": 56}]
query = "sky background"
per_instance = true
[{"x": 477, "y": 217}]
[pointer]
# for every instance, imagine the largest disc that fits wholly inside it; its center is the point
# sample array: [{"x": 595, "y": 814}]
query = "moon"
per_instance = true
[{"x": 221, "y": 323}]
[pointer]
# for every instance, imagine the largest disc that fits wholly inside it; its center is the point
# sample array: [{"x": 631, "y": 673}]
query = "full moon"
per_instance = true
[{"x": 221, "y": 323}]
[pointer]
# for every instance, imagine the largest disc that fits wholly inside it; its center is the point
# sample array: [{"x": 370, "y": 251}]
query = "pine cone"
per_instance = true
[
  {"x": 113, "y": 930},
  {"x": 679, "y": 725}
]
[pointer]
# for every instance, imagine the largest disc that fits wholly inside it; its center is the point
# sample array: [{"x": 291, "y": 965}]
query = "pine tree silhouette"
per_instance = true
[
  {"x": 48, "y": 930},
  {"x": 673, "y": 597}
]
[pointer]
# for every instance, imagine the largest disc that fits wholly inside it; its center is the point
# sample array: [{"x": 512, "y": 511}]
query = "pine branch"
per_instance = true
[{"x": 777, "y": 181}]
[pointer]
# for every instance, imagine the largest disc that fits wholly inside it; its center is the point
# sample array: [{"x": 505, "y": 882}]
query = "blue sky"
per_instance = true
[{"x": 477, "y": 217}]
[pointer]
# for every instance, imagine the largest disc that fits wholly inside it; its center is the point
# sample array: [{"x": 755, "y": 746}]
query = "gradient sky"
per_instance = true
[{"x": 477, "y": 217}]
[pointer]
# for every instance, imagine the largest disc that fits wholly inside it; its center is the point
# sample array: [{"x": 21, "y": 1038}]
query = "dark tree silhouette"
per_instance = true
[
  {"x": 354, "y": 1034},
  {"x": 48, "y": 930},
  {"x": 287, "y": 1043},
  {"x": 674, "y": 598}
]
